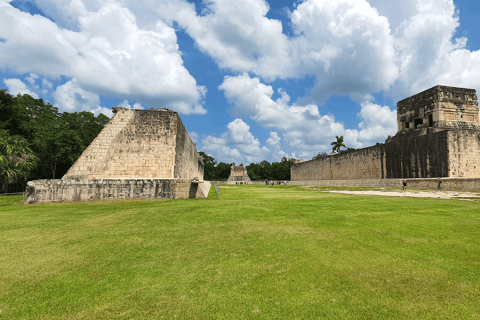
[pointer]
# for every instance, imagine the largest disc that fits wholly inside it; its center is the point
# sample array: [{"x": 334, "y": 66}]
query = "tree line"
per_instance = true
[
  {"x": 214, "y": 171},
  {"x": 39, "y": 142}
]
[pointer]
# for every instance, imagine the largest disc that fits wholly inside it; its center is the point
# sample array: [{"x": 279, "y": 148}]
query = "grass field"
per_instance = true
[{"x": 257, "y": 253}]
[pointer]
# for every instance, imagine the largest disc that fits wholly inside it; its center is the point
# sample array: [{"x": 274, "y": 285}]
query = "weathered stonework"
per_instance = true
[
  {"x": 238, "y": 173},
  {"x": 140, "y": 154},
  {"x": 140, "y": 144},
  {"x": 439, "y": 107},
  {"x": 439, "y": 136}
]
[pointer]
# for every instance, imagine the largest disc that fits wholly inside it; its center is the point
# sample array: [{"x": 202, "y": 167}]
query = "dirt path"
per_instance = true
[{"x": 414, "y": 193}]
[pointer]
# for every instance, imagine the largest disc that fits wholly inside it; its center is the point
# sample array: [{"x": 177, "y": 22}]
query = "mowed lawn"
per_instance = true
[{"x": 259, "y": 252}]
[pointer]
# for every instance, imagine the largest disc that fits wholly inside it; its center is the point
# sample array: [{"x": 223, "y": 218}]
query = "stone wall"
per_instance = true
[
  {"x": 43, "y": 191},
  {"x": 368, "y": 163},
  {"x": 417, "y": 154},
  {"x": 134, "y": 144},
  {"x": 238, "y": 173},
  {"x": 463, "y": 153},
  {"x": 188, "y": 163},
  {"x": 447, "y": 184},
  {"x": 140, "y": 154}
]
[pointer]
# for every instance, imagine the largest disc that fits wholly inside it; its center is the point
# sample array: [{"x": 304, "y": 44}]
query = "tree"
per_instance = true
[
  {"x": 17, "y": 160},
  {"x": 222, "y": 171},
  {"x": 209, "y": 164},
  {"x": 254, "y": 171},
  {"x": 320, "y": 155},
  {"x": 338, "y": 144}
]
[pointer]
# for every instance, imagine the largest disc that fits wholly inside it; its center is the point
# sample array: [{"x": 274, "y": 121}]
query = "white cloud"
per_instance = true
[
  {"x": 16, "y": 86},
  {"x": 346, "y": 44},
  {"x": 236, "y": 145},
  {"x": 127, "y": 105},
  {"x": 274, "y": 142},
  {"x": 236, "y": 34},
  {"x": 32, "y": 78},
  {"x": 70, "y": 97},
  {"x": 139, "y": 64},
  {"x": 194, "y": 136},
  {"x": 106, "y": 111},
  {"x": 304, "y": 129},
  {"x": 377, "y": 123}
]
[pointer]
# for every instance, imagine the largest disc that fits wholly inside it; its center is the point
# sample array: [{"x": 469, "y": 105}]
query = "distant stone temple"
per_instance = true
[
  {"x": 238, "y": 174},
  {"x": 438, "y": 136},
  {"x": 139, "y": 154}
]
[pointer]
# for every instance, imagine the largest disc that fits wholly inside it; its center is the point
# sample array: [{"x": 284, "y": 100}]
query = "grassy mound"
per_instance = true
[{"x": 257, "y": 252}]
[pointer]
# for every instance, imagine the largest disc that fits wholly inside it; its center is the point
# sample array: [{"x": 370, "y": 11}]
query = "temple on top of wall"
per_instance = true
[
  {"x": 238, "y": 174},
  {"x": 438, "y": 136}
]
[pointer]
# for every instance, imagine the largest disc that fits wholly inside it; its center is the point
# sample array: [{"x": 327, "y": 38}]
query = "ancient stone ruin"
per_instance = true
[
  {"x": 238, "y": 174},
  {"x": 140, "y": 154},
  {"x": 438, "y": 136}
]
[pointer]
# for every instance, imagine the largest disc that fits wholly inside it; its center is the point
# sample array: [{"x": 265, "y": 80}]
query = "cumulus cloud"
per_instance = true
[
  {"x": 139, "y": 64},
  {"x": 346, "y": 44},
  {"x": 236, "y": 145},
  {"x": 274, "y": 142},
  {"x": 236, "y": 34},
  {"x": 194, "y": 136},
  {"x": 70, "y": 97},
  {"x": 17, "y": 86},
  {"x": 127, "y": 105},
  {"x": 304, "y": 129},
  {"x": 377, "y": 122}
]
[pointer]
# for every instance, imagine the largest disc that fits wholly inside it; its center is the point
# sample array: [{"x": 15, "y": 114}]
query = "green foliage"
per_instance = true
[
  {"x": 266, "y": 171},
  {"x": 222, "y": 171},
  {"x": 17, "y": 160},
  {"x": 320, "y": 155},
  {"x": 338, "y": 144},
  {"x": 212, "y": 170},
  {"x": 209, "y": 164},
  {"x": 267, "y": 253},
  {"x": 348, "y": 150},
  {"x": 57, "y": 139}
]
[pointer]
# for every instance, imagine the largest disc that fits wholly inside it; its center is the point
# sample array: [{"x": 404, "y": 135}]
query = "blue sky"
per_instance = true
[{"x": 252, "y": 80}]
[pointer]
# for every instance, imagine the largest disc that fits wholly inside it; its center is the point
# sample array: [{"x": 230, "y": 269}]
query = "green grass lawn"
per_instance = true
[{"x": 280, "y": 252}]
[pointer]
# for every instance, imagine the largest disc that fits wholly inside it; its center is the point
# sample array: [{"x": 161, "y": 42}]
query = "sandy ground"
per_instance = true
[{"x": 414, "y": 193}]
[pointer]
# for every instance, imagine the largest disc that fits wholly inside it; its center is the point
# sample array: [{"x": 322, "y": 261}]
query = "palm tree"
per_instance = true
[
  {"x": 338, "y": 144},
  {"x": 16, "y": 159}
]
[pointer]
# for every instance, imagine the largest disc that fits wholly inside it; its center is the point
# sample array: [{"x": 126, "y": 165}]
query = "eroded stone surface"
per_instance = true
[
  {"x": 439, "y": 136},
  {"x": 140, "y": 154}
]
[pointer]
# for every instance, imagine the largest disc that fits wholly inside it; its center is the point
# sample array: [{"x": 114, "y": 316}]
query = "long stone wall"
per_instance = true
[
  {"x": 447, "y": 184},
  {"x": 43, "y": 191},
  {"x": 368, "y": 163}
]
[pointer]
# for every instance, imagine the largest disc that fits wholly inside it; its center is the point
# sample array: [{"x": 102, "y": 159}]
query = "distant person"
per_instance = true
[
  {"x": 284, "y": 183},
  {"x": 439, "y": 184},
  {"x": 404, "y": 184},
  {"x": 266, "y": 182},
  {"x": 273, "y": 183}
]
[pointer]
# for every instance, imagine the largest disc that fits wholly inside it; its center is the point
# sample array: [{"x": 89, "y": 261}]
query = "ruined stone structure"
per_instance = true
[
  {"x": 140, "y": 154},
  {"x": 238, "y": 174},
  {"x": 438, "y": 136}
]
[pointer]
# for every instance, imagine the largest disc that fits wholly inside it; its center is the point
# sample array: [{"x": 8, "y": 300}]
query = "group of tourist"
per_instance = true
[{"x": 273, "y": 183}]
